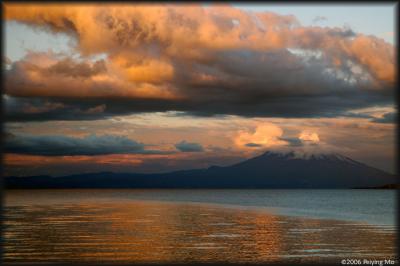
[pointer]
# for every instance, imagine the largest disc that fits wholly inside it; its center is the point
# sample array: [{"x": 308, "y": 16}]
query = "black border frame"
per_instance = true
[{"x": 283, "y": 2}]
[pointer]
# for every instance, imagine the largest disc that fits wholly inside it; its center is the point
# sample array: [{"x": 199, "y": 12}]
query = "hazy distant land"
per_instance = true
[{"x": 269, "y": 170}]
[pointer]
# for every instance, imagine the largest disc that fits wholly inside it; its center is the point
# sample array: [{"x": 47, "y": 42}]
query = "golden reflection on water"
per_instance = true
[{"x": 167, "y": 232}]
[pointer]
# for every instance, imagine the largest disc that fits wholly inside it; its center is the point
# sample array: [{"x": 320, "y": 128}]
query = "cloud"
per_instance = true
[
  {"x": 389, "y": 118},
  {"x": 202, "y": 61},
  {"x": 97, "y": 109},
  {"x": 55, "y": 75},
  {"x": 271, "y": 136},
  {"x": 216, "y": 135},
  {"x": 264, "y": 135},
  {"x": 68, "y": 67},
  {"x": 7, "y": 60},
  {"x": 164, "y": 30},
  {"x": 293, "y": 142},
  {"x": 310, "y": 137},
  {"x": 28, "y": 165},
  {"x": 319, "y": 19},
  {"x": 44, "y": 109},
  {"x": 253, "y": 145},
  {"x": 189, "y": 147},
  {"x": 69, "y": 146}
]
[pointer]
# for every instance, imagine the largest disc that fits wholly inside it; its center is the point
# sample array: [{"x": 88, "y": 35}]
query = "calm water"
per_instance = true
[{"x": 198, "y": 225}]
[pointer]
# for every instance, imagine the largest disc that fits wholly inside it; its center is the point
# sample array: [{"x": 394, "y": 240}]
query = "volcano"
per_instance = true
[{"x": 269, "y": 170}]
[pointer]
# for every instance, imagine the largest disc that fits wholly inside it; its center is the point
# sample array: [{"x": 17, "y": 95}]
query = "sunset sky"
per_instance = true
[{"x": 156, "y": 88}]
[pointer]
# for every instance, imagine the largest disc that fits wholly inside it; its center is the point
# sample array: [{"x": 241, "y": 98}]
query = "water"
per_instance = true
[{"x": 164, "y": 226}]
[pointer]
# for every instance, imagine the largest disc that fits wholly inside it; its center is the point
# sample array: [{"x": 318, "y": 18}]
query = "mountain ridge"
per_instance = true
[{"x": 268, "y": 170}]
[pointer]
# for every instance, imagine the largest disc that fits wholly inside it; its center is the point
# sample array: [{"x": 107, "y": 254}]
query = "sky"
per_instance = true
[{"x": 156, "y": 88}]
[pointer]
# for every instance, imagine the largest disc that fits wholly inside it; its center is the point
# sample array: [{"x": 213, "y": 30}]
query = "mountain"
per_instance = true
[{"x": 269, "y": 170}]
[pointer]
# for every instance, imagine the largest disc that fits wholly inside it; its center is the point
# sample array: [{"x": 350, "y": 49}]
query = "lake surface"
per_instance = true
[{"x": 166, "y": 226}]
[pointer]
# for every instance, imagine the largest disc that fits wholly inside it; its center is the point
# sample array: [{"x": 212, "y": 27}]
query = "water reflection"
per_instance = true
[{"x": 167, "y": 232}]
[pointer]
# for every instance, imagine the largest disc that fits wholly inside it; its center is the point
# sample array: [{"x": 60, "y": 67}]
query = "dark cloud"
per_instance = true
[
  {"x": 64, "y": 145},
  {"x": 274, "y": 68},
  {"x": 189, "y": 147},
  {"x": 253, "y": 145},
  {"x": 294, "y": 142},
  {"x": 386, "y": 118},
  {"x": 46, "y": 109},
  {"x": 68, "y": 67}
]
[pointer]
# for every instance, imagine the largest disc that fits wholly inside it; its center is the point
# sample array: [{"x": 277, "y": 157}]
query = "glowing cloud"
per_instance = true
[
  {"x": 186, "y": 51},
  {"x": 310, "y": 137},
  {"x": 265, "y": 135}
]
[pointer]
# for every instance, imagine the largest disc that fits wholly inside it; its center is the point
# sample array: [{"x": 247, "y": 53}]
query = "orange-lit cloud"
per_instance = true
[
  {"x": 264, "y": 135},
  {"x": 150, "y": 163},
  {"x": 49, "y": 74},
  {"x": 309, "y": 137},
  {"x": 172, "y": 51},
  {"x": 224, "y": 141}
]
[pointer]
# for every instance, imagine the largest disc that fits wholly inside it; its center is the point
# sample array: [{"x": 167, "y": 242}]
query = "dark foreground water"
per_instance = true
[{"x": 198, "y": 225}]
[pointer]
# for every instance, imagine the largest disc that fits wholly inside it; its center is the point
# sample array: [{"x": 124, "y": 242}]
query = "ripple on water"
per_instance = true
[{"x": 157, "y": 232}]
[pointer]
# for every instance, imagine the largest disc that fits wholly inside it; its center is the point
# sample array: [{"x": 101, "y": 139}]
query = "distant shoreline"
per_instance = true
[{"x": 388, "y": 186}]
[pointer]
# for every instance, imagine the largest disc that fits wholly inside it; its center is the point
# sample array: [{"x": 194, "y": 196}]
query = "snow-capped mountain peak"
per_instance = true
[{"x": 309, "y": 155}]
